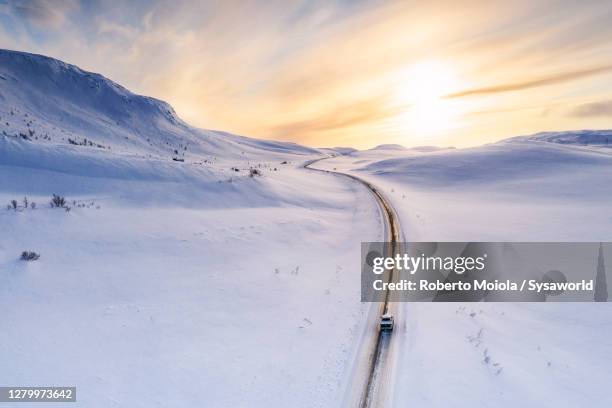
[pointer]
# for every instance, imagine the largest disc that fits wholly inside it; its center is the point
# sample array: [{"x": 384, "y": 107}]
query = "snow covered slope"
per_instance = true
[
  {"x": 44, "y": 100},
  {"x": 507, "y": 163},
  {"x": 74, "y": 132},
  {"x": 601, "y": 138},
  {"x": 338, "y": 150}
]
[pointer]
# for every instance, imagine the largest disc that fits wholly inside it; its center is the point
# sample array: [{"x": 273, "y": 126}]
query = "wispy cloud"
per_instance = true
[
  {"x": 533, "y": 83},
  {"x": 340, "y": 117},
  {"x": 593, "y": 109}
]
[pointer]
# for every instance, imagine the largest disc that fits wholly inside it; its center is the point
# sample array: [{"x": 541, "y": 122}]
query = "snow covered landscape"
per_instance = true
[
  {"x": 191, "y": 266},
  {"x": 546, "y": 187},
  {"x": 214, "y": 274}
]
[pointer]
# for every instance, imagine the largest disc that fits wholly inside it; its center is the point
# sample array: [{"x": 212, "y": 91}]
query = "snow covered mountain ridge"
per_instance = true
[{"x": 49, "y": 101}]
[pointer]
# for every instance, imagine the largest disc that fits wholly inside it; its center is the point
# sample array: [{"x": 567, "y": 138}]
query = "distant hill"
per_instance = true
[
  {"x": 389, "y": 147},
  {"x": 576, "y": 137}
]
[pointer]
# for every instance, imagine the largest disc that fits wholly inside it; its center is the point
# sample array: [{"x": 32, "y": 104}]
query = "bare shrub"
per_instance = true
[
  {"x": 58, "y": 201},
  {"x": 29, "y": 256}
]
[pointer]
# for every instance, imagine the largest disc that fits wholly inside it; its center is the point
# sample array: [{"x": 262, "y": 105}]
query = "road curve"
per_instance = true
[{"x": 373, "y": 375}]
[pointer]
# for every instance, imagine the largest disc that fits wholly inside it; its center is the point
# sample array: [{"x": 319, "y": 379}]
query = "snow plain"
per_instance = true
[{"x": 142, "y": 303}]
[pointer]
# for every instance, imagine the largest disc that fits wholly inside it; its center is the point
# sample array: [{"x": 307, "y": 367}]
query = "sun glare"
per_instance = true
[{"x": 426, "y": 112}]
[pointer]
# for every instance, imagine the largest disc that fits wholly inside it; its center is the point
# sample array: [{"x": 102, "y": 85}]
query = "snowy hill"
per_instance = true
[
  {"x": 45, "y": 100},
  {"x": 338, "y": 150},
  {"x": 505, "y": 162},
  {"x": 389, "y": 147},
  {"x": 579, "y": 137},
  {"x": 542, "y": 178}
]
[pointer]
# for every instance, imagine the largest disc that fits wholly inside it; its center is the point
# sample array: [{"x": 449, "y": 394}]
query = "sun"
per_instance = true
[
  {"x": 421, "y": 94},
  {"x": 428, "y": 81}
]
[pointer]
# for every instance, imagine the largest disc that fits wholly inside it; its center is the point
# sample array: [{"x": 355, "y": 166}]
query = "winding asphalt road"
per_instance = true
[{"x": 372, "y": 379}]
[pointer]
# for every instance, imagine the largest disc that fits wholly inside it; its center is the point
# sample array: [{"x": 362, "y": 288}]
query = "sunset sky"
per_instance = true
[{"x": 344, "y": 73}]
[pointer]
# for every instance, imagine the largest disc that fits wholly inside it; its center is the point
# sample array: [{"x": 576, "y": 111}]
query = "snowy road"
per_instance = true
[{"x": 372, "y": 380}]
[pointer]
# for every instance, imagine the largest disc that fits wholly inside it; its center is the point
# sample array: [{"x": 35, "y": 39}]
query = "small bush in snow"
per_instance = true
[
  {"x": 14, "y": 204},
  {"x": 29, "y": 256},
  {"x": 25, "y": 202},
  {"x": 33, "y": 205},
  {"x": 254, "y": 172},
  {"x": 58, "y": 201}
]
